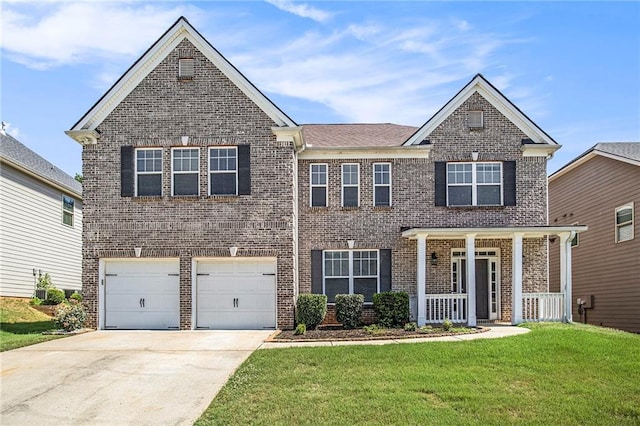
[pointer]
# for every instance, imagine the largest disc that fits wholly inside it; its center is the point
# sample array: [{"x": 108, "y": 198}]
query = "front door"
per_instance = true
[
  {"x": 486, "y": 281},
  {"x": 482, "y": 288}
]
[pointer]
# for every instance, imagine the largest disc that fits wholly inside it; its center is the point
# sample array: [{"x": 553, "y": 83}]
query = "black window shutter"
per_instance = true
[
  {"x": 441, "y": 183},
  {"x": 316, "y": 271},
  {"x": 509, "y": 176},
  {"x": 244, "y": 169},
  {"x": 385, "y": 270},
  {"x": 126, "y": 171}
]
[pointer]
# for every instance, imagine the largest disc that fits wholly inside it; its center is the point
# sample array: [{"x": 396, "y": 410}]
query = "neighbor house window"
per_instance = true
[
  {"x": 318, "y": 185},
  {"x": 624, "y": 223},
  {"x": 350, "y": 185},
  {"x": 382, "y": 184},
  {"x": 351, "y": 272},
  {"x": 185, "y": 167},
  {"x": 148, "y": 171},
  {"x": 67, "y": 210},
  {"x": 474, "y": 184},
  {"x": 223, "y": 171}
]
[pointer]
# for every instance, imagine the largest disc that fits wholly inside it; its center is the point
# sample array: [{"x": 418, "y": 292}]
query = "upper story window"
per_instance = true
[
  {"x": 319, "y": 194},
  {"x": 68, "y": 204},
  {"x": 223, "y": 171},
  {"x": 350, "y": 185},
  {"x": 148, "y": 172},
  {"x": 474, "y": 184},
  {"x": 624, "y": 223},
  {"x": 351, "y": 272},
  {"x": 185, "y": 171},
  {"x": 186, "y": 68},
  {"x": 382, "y": 184}
]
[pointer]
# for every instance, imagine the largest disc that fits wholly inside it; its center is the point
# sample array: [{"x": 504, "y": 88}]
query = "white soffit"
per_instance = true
[
  {"x": 492, "y": 95},
  {"x": 156, "y": 54}
]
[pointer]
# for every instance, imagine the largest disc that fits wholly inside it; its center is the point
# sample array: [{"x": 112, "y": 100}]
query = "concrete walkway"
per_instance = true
[
  {"x": 495, "y": 332},
  {"x": 120, "y": 377}
]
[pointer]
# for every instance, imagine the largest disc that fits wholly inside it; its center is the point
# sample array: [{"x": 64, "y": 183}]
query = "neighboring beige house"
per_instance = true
[
  {"x": 601, "y": 189},
  {"x": 40, "y": 222},
  {"x": 208, "y": 207}
]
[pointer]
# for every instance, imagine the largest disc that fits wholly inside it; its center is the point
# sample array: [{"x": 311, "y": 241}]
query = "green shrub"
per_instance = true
[
  {"x": 447, "y": 325},
  {"x": 76, "y": 296},
  {"x": 70, "y": 317},
  {"x": 373, "y": 329},
  {"x": 426, "y": 329},
  {"x": 392, "y": 308},
  {"x": 349, "y": 309},
  {"x": 44, "y": 282},
  {"x": 35, "y": 301},
  {"x": 410, "y": 326},
  {"x": 54, "y": 297},
  {"x": 311, "y": 309},
  {"x": 301, "y": 329}
]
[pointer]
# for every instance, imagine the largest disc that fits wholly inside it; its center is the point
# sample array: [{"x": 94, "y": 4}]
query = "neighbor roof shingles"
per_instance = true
[
  {"x": 356, "y": 135},
  {"x": 630, "y": 150},
  {"x": 17, "y": 153}
]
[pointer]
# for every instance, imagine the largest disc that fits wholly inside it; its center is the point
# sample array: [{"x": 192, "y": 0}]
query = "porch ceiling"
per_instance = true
[{"x": 491, "y": 233}]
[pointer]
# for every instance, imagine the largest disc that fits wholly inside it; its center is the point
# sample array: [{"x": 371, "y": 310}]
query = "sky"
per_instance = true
[{"x": 572, "y": 67}]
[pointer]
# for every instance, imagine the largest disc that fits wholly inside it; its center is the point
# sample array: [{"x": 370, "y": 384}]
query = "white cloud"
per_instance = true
[
  {"x": 46, "y": 35},
  {"x": 11, "y": 130},
  {"x": 302, "y": 10}
]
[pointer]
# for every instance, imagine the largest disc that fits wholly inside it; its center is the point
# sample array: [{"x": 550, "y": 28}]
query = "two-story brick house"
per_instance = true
[{"x": 206, "y": 206}]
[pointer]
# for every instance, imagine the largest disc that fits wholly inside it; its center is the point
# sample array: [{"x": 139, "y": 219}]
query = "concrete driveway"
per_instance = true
[{"x": 120, "y": 377}]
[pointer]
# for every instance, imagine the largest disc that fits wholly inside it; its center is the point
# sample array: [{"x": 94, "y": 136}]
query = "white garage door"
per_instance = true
[
  {"x": 142, "y": 294},
  {"x": 236, "y": 294}
]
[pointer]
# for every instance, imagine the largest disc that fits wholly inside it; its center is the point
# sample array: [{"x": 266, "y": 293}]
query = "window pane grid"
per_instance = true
[
  {"x": 149, "y": 160},
  {"x": 186, "y": 160},
  {"x": 474, "y": 184},
  {"x": 223, "y": 166},
  {"x": 318, "y": 174},
  {"x": 350, "y": 175},
  {"x": 222, "y": 160}
]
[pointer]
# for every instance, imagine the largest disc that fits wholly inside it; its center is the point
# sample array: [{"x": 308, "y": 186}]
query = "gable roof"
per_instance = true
[
  {"x": 19, "y": 156},
  {"x": 627, "y": 152},
  {"x": 84, "y": 131},
  {"x": 497, "y": 99},
  {"x": 356, "y": 135}
]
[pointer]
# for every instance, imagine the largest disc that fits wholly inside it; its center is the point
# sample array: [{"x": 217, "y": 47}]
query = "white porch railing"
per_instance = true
[
  {"x": 543, "y": 307},
  {"x": 449, "y": 306}
]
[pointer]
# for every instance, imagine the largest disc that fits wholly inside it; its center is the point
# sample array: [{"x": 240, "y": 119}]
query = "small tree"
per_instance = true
[{"x": 44, "y": 282}]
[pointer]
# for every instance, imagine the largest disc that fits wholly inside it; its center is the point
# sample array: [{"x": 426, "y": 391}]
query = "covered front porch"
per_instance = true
[{"x": 501, "y": 284}]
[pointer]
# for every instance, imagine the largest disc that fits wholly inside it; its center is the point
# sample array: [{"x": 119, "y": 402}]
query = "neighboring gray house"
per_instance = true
[
  {"x": 40, "y": 222},
  {"x": 206, "y": 206}
]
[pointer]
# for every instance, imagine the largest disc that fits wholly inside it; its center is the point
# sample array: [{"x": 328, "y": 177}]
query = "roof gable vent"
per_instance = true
[
  {"x": 476, "y": 120},
  {"x": 186, "y": 68}
]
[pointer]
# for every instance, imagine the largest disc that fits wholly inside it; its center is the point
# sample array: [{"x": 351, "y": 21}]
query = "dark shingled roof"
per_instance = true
[
  {"x": 17, "y": 153},
  {"x": 630, "y": 150},
  {"x": 356, "y": 135}
]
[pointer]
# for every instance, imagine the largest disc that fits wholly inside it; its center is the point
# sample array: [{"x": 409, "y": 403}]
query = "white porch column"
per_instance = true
[
  {"x": 470, "y": 241},
  {"x": 422, "y": 279},
  {"x": 565, "y": 272},
  {"x": 516, "y": 288}
]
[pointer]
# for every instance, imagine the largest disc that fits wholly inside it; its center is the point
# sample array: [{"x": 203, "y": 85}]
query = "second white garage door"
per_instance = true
[{"x": 236, "y": 294}]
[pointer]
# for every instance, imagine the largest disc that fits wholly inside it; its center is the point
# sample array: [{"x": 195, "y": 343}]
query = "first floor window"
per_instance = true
[
  {"x": 624, "y": 223},
  {"x": 67, "y": 210},
  {"x": 474, "y": 184},
  {"x": 223, "y": 171},
  {"x": 148, "y": 171},
  {"x": 350, "y": 185},
  {"x": 318, "y": 185},
  {"x": 185, "y": 167},
  {"x": 382, "y": 184},
  {"x": 351, "y": 272}
]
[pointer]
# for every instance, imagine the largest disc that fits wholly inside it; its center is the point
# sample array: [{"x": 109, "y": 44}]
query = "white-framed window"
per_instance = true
[
  {"x": 474, "y": 184},
  {"x": 381, "y": 184},
  {"x": 318, "y": 180},
  {"x": 351, "y": 272},
  {"x": 186, "y": 68},
  {"x": 185, "y": 171},
  {"x": 624, "y": 223},
  {"x": 350, "y": 185},
  {"x": 68, "y": 205},
  {"x": 148, "y": 172},
  {"x": 223, "y": 170}
]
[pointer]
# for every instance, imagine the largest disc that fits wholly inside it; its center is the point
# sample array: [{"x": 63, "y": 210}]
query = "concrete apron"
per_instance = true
[{"x": 120, "y": 377}]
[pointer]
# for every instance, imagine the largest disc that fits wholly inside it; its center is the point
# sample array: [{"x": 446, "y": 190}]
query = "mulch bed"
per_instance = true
[{"x": 336, "y": 333}]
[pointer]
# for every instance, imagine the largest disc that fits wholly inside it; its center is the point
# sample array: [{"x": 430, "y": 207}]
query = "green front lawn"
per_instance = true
[
  {"x": 557, "y": 374},
  {"x": 21, "y": 325}
]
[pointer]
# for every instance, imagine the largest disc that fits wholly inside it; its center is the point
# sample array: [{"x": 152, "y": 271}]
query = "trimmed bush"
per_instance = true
[
  {"x": 311, "y": 309},
  {"x": 54, "y": 297},
  {"x": 70, "y": 317},
  {"x": 410, "y": 326},
  {"x": 447, "y": 325},
  {"x": 301, "y": 329},
  {"x": 349, "y": 309},
  {"x": 392, "y": 308},
  {"x": 76, "y": 296}
]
